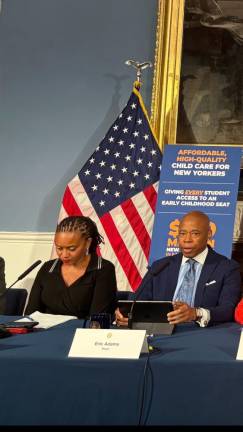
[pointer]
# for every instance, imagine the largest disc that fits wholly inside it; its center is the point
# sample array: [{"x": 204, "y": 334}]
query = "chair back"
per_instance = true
[{"x": 15, "y": 301}]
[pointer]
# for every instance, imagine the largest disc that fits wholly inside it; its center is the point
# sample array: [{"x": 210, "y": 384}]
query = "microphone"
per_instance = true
[
  {"x": 154, "y": 270},
  {"x": 29, "y": 269},
  {"x": 158, "y": 268}
]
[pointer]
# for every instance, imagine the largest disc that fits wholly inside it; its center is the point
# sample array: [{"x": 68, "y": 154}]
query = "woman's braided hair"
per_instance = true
[{"x": 85, "y": 226}]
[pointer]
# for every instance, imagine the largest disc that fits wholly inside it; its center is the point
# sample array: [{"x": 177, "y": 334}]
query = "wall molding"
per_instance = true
[
  {"x": 20, "y": 250},
  {"x": 27, "y": 237}
]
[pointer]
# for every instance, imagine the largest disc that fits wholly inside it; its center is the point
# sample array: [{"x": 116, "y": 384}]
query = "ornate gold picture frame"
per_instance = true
[{"x": 198, "y": 76}]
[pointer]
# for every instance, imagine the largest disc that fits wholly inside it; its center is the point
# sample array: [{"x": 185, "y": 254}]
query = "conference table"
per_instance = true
[{"x": 193, "y": 379}]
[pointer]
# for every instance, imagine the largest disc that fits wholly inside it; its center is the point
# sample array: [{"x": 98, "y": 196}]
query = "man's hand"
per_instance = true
[
  {"x": 120, "y": 319},
  {"x": 182, "y": 313}
]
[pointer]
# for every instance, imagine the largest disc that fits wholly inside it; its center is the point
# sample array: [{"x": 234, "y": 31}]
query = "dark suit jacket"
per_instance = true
[
  {"x": 2, "y": 286},
  {"x": 218, "y": 288}
]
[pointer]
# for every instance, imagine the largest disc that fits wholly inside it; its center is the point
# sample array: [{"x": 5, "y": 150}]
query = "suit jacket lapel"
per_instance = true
[
  {"x": 173, "y": 275},
  {"x": 205, "y": 276}
]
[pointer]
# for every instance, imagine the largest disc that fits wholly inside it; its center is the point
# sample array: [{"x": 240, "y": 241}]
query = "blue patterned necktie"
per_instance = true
[{"x": 186, "y": 289}]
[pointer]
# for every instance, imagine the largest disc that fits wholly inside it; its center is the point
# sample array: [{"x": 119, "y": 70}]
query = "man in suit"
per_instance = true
[
  {"x": 204, "y": 286},
  {"x": 2, "y": 286}
]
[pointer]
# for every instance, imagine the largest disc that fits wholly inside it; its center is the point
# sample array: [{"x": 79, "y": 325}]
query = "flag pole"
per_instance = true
[{"x": 139, "y": 67}]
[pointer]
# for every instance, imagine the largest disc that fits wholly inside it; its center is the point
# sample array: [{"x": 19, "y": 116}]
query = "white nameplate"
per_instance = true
[
  {"x": 240, "y": 348},
  {"x": 107, "y": 343}
]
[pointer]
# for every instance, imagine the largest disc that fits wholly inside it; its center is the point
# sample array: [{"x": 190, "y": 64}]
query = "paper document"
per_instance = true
[
  {"x": 47, "y": 320},
  {"x": 240, "y": 348}
]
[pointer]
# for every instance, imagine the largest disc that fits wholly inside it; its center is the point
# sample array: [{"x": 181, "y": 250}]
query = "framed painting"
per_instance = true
[{"x": 198, "y": 79}]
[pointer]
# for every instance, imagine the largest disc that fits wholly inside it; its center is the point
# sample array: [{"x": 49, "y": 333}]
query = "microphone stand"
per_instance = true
[
  {"x": 159, "y": 267},
  {"x": 130, "y": 315},
  {"x": 22, "y": 276},
  {"x": 13, "y": 284}
]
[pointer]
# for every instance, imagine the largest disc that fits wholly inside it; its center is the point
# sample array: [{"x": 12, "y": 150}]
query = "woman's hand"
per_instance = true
[{"x": 120, "y": 319}]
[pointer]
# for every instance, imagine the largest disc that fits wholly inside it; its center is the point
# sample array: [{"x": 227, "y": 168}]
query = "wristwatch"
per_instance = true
[
  {"x": 203, "y": 317},
  {"x": 199, "y": 314}
]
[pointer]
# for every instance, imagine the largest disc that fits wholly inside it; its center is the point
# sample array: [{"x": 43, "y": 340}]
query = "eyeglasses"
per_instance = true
[{"x": 193, "y": 234}]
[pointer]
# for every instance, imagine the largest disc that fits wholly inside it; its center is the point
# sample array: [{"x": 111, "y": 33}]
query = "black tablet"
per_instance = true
[
  {"x": 146, "y": 311},
  {"x": 148, "y": 315}
]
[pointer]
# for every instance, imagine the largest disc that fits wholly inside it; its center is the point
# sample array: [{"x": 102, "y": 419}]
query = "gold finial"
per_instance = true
[{"x": 139, "y": 67}]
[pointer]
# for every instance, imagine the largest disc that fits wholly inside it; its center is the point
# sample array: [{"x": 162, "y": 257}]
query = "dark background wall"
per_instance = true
[{"x": 63, "y": 82}]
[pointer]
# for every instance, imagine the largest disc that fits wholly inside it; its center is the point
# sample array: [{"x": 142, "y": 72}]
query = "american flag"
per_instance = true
[{"x": 117, "y": 189}]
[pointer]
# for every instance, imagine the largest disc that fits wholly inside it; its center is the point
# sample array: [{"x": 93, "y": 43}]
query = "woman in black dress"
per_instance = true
[{"x": 78, "y": 282}]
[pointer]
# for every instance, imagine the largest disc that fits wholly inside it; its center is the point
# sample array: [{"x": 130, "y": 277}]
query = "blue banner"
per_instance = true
[{"x": 203, "y": 178}]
